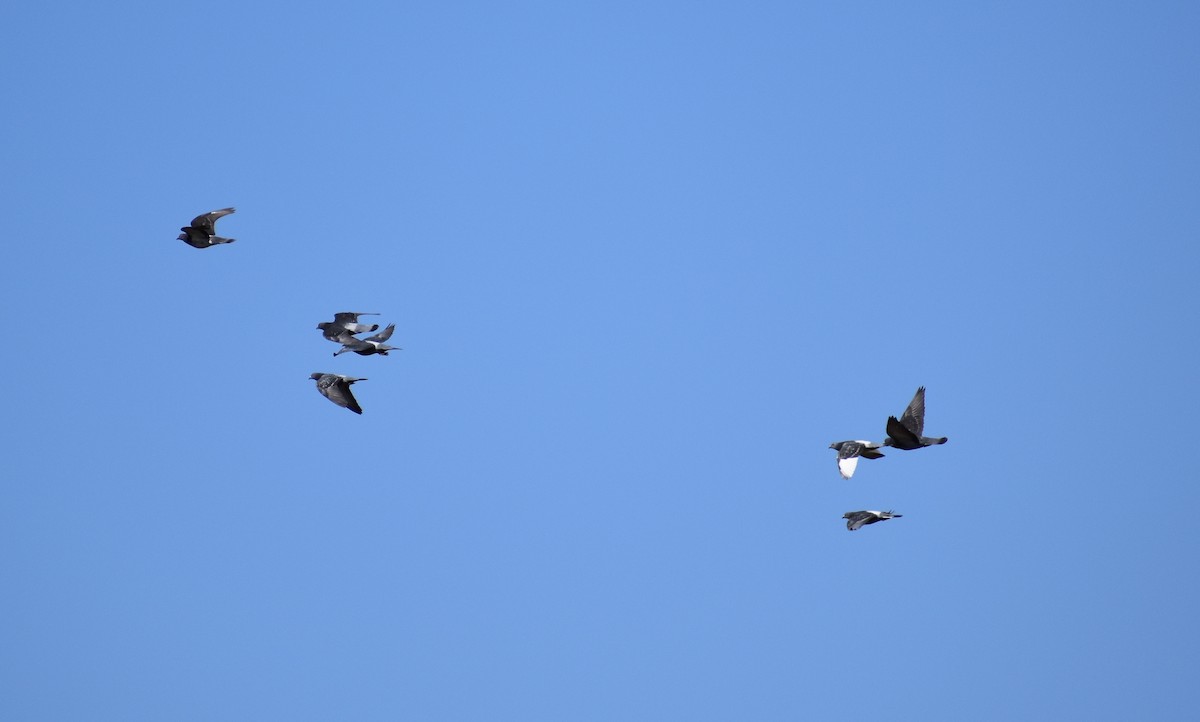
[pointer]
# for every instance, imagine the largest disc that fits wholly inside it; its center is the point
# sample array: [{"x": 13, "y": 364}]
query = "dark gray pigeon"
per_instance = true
[
  {"x": 849, "y": 451},
  {"x": 369, "y": 345},
  {"x": 346, "y": 322},
  {"x": 856, "y": 520},
  {"x": 905, "y": 432},
  {"x": 203, "y": 231},
  {"x": 337, "y": 389}
]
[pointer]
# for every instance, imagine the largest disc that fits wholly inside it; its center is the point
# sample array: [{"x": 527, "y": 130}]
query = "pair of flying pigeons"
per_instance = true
[
  {"x": 906, "y": 433},
  {"x": 343, "y": 330},
  {"x": 344, "y": 327}
]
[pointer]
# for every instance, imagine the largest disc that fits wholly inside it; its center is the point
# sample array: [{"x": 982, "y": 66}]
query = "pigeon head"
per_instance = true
[
  {"x": 323, "y": 325},
  {"x": 181, "y": 236},
  {"x": 315, "y": 376}
]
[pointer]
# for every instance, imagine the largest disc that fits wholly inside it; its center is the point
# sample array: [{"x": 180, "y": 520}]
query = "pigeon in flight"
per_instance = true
[
  {"x": 337, "y": 389},
  {"x": 856, "y": 520},
  {"x": 369, "y": 345},
  {"x": 203, "y": 231},
  {"x": 849, "y": 451},
  {"x": 346, "y": 322},
  {"x": 905, "y": 433}
]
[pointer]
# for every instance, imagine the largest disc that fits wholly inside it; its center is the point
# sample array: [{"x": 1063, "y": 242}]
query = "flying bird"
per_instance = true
[
  {"x": 849, "y": 451},
  {"x": 906, "y": 432},
  {"x": 856, "y": 520},
  {"x": 346, "y": 322},
  {"x": 369, "y": 345},
  {"x": 203, "y": 231},
  {"x": 337, "y": 389}
]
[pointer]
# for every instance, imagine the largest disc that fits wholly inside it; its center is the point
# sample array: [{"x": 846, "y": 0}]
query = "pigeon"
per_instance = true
[
  {"x": 203, "y": 233},
  {"x": 856, "y": 520},
  {"x": 369, "y": 345},
  {"x": 337, "y": 389},
  {"x": 905, "y": 433},
  {"x": 849, "y": 451},
  {"x": 346, "y": 322}
]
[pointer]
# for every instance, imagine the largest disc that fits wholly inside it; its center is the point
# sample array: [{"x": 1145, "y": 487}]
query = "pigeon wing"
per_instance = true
[
  {"x": 902, "y": 438},
  {"x": 208, "y": 221},
  {"x": 337, "y": 390},
  {"x": 344, "y": 317},
  {"x": 913, "y": 417},
  {"x": 847, "y": 465},
  {"x": 383, "y": 335}
]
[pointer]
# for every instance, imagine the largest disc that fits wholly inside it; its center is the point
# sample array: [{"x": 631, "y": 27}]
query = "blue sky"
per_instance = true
[{"x": 646, "y": 261}]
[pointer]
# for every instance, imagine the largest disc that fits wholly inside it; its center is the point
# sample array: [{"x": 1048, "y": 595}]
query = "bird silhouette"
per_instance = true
[
  {"x": 855, "y": 520},
  {"x": 203, "y": 231},
  {"x": 906, "y": 432},
  {"x": 336, "y": 388}
]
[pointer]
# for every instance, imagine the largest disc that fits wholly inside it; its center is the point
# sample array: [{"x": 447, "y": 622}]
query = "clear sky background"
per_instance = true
[{"x": 646, "y": 261}]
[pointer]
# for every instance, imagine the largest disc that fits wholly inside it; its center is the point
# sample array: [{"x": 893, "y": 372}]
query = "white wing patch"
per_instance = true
[{"x": 847, "y": 466}]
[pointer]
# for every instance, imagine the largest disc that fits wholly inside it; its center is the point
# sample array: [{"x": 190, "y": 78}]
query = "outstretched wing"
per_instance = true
[
  {"x": 337, "y": 390},
  {"x": 208, "y": 221},
  {"x": 383, "y": 335},
  {"x": 847, "y": 465},
  {"x": 344, "y": 317},
  {"x": 913, "y": 417}
]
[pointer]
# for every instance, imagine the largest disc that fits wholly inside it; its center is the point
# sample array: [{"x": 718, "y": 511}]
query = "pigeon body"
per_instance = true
[
  {"x": 906, "y": 432},
  {"x": 856, "y": 520},
  {"x": 203, "y": 231},
  {"x": 346, "y": 322},
  {"x": 336, "y": 388},
  {"x": 849, "y": 451},
  {"x": 369, "y": 345}
]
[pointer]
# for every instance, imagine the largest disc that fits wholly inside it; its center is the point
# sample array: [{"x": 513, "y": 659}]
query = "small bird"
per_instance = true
[
  {"x": 346, "y": 322},
  {"x": 855, "y": 520},
  {"x": 849, "y": 451},
  {"x": 369, "y": 345},
  {"x": 336, "y": 388},
  {"x": 203, "y": 231},
  {"x": 906, "y": 433}
]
